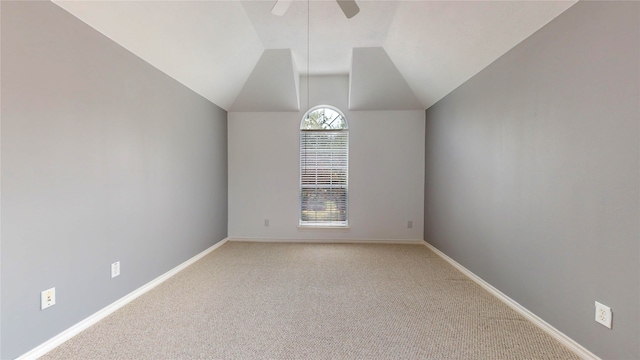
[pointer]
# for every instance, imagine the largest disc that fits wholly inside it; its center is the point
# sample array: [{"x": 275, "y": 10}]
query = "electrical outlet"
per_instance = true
[
  {"x": 409, "y": 224},
  {"x": 47, "y": 298},
  {"x": 115, "y": 269},
  {"x": 603, "y": 314},
  {"x": 266, "y": 222}
]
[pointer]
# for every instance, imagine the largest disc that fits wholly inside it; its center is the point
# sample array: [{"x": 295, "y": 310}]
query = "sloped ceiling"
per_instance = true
[
  {"x": 213, "y": 46},
  {"x": 376, "y": 84},
  {"x": 272, "y": 86},
  {"x": 209, "y": 46}
]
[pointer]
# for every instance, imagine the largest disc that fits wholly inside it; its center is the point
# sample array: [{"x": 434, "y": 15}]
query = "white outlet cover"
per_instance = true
[
  {"x": 115, "y": 269},
  {"x": 47, "y": 298},
  {"x": 603, "y": 314}
]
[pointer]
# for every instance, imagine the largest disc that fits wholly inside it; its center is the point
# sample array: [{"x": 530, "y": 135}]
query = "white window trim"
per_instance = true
[{"x": 329, "y": 225}]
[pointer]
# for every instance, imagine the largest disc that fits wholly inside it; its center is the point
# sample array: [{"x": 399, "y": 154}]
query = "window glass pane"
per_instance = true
[
  {"x": 324, "y": 118},
  {"x": 324, "y": 204},
  {"x": 324, "y": 168}
]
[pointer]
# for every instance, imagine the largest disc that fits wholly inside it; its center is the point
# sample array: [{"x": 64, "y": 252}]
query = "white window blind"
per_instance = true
[{"x": 324, "y": 170}]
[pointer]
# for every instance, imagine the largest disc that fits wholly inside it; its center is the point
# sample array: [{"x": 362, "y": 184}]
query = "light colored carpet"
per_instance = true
[{"x": 315, "y": 301}]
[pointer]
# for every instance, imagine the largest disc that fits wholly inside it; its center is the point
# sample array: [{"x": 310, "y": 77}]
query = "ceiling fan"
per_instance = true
[{"x": 349, "y": 7}]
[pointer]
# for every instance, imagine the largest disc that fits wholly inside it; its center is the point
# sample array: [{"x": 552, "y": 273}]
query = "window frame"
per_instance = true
[{"x": 342, "y": 155}]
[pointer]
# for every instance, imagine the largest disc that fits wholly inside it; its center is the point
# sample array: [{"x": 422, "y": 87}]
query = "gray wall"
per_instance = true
[
  {"x": 104, "y": 158},
  {"x": 532, "y": 174}
]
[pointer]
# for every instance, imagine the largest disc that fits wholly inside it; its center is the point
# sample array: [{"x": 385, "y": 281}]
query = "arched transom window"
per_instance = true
[{"x": 324, "y": 167}]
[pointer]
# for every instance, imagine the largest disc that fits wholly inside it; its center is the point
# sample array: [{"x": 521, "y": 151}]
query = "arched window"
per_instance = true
[{"x": 324, "y": 167}]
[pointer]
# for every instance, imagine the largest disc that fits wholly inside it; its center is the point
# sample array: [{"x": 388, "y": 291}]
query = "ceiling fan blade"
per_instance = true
[
  {"x": 349, "y": 8},
  {"x": 281, "y": 6}
]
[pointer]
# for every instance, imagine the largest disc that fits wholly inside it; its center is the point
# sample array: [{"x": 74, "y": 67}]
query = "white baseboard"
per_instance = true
[
  {"x": 535, "y": 319},
  {"x": 330, "y": 241},
  {"x": 101, "y": 314},
  {"x": 108, "y": 310}
]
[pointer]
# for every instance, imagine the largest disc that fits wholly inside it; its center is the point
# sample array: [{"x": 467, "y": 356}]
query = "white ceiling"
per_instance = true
[{"x": 213, "y": 46}]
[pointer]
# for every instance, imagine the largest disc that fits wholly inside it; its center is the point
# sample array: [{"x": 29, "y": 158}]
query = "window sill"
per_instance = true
[{"x": 324, "y": 227}]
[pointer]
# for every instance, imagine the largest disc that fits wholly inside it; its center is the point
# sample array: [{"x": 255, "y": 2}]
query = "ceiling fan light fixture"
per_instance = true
[
  {"x": 349, "y": 8},
  {"x": 280, "y": 7}
]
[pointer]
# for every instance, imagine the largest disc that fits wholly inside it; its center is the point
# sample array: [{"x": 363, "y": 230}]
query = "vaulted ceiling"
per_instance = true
[{"x": 222, "y": 49}]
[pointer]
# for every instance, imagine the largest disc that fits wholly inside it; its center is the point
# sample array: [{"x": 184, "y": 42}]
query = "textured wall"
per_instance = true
[
  {"x": 104, "y": 158},
  {"x": 532, "y": 174}
]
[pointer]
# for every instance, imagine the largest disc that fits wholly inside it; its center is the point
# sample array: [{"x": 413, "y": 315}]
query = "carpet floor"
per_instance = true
[{"x": 315, "y": 301}]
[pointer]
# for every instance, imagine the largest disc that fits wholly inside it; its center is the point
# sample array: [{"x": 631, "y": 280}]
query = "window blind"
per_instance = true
[{"x": 324, "y": 157}]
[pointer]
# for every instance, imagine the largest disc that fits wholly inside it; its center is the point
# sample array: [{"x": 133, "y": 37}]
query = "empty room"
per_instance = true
[{"x": 344, "y": 179}]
